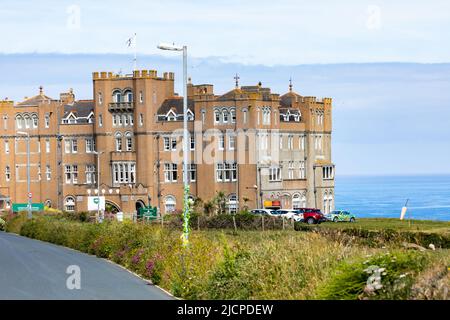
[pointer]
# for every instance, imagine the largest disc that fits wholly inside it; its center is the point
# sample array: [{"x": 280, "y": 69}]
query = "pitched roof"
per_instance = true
[
  {"x": 290, "y": 98},
  {"x": 230, "y": 95},
  {"x": 80, "y": 108},
  {"x": 36, "y": 100},
  {"x": 175, "y": 104}
]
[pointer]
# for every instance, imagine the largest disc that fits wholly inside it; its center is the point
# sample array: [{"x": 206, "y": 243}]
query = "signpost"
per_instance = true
[
  {"x": 17, "y": 207},
  {"x": 149, "y": 213}
]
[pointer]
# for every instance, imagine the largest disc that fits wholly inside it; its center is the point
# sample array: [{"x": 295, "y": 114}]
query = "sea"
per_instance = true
[{"x": 428, "y": 196}]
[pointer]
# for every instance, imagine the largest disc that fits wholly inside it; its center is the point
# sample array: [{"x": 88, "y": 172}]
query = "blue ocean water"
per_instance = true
[{"x": 384, "y": 196}]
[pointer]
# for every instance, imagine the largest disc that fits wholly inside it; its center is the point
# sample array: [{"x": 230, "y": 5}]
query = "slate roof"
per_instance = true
[
  {"x": 34, "y": 101},
  {"x": 289, "y": 99},
  {"x": 175, "y": 104},
  {"x": 80, "y": 108}
]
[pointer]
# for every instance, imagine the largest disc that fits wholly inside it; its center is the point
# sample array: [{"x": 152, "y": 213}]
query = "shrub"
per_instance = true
[{"x": 2, "y": 224}]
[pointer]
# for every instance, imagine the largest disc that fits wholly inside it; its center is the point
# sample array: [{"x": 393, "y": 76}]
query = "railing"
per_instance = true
[{"x": 121, "y": 106}]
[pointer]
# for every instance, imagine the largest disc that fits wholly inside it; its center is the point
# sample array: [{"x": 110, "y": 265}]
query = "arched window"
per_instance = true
[
  {"x": 232, "y": 204},
  {"x": 129, "y": 141},
  {"x": 169, "y": 204},
  {"x": 69, "y": 204},
  {"x": 19, "y": 122},
  {"x": 325, "y": 203},
  {"x": 117, "y": 96},
  {"x": 100, "y": 98},
  {"x": 330, "y": 202},
  {"x": 27, "y": 121},
  {"x": 7, "y": 173},
  {"x": 225, "y": 116},
  {"x": 216, "y": 116},
  {"x": 35, "y": 121},
  {"x": 244, "y": 117},
  {"x": 118, "y": 138},
  {"x": 128, "y": 95},
  {"x": 233, "y": 115},
  {"x": 296, "y": 202}
]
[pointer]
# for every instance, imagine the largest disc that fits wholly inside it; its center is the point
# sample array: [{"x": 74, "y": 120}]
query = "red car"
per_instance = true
[{"x": 311, "y": 215}]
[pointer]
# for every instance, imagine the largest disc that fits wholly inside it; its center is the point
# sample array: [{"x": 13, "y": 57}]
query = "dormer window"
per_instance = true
[
  {"x": 190, "y": 115},
  {"x": 171, "y": 116}
]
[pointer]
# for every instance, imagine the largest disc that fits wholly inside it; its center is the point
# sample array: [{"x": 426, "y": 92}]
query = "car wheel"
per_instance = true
[
  {"x": 310, "y": 221},
  {"x": 352, "y": 219},
  {"x": 335, "y": 219}
]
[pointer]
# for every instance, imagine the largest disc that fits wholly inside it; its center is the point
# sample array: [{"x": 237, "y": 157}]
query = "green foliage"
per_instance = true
[
  {"x": 244, "y": 265},
  {"x": 2, "y": 224},
  {"x": 396, "y": 271}
]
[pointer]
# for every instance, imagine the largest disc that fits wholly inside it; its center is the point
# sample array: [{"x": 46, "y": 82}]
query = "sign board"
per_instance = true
[
  {"x": 96, "y": 203},
  {"x": 148, "y": 212},
  {"x": 17, "y": 207}
]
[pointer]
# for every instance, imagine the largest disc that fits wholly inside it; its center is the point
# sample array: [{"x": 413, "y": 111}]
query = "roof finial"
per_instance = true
[
  {"x": 189, "y": 80},
  {"x": 236, "y": 77},
  {"x": 290, "y": 84},
  {"x": 41, "y": 90}
]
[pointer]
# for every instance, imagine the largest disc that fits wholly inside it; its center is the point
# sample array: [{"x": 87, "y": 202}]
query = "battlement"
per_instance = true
[
  {"x": 310, "y": 99},
  {"x": 327, "y": 100},
  {"x": 139, "y": 74},
  {"x": 6, "y": 103}
]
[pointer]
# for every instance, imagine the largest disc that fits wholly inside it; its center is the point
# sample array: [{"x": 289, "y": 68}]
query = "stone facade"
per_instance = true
[{"x": 253, "y": 145}]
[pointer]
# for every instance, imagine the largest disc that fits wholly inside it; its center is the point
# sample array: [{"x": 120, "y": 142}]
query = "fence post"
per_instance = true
[
  {"x": 283, "y": 222},
  {"x": 262, "y": 222},
  {"x": 234, "y": 223}
]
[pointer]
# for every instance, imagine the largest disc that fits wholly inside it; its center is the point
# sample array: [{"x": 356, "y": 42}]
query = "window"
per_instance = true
[
  {"x": 67, "y": 144},
  {"x": 128, "y": 96},
  {"x": 245, "y": 115},
  {"x": 203, "y": 116},
  {"x": 47, "y": 121},
  {"x": 19, "y": 122},
  {"x": 290, "y": 142},
  {"x": 125, "y": 120},
  {"x": 192, "y": 142},
  {"x": 35, "y": 121},
  {"x": 231, "y": 142},
  {"x": 233, "y": 115},
  {"x": 263, "y": 142},
  {"x": 7, "y": 173},
  {"x": 281, "y": 142},
  {"x": 48, "y": 172},
  {"x": 302, "y": 172},
  {"x": 6, "y": 146},
  {"x": 291, "y": 170},
  {"x": 90, "y": 173},
  {"x": 129, "y": 141},
  {"x": 131, "y": 120},
  {"x": 274, "y": 174},
  {"x": 5, "y": 122},
  {"x": 225, "y": 116},
  {"x": 118, "y": 141},
  {"x": 74, "y": 145},
  {"x": 266, "y": 116},
  {"x": 100, "y": 120},
  {"x": 170, "y": 143},
  {"x": 192, "y": 172},
  {"x": 226, "y": 171},
  {"x": 141, "y": 119},
  {"x": 119, "y": 120},
  {"x": 100, "y": 98},
  {"x": 296, "y": 203},
  {"x": 141, "y": 97},
  {"x": 302, "y": 142},
  {"x": 27, "y": 121},
  {"x": 117, "y": 96},
  {"x": 169, "y": 204},
  {"x": 47, "y": 145},
  {"x": 124, "y": 172},
  {"x": 328, "y": 172},
  {"x": 170, "y": 172},
  {"x": 90, "y": 145},
  {"x": 71, "y": 173},
  {"x": 216, "y": 116},
  {"x": 69, "y": 204},
  {"x": 221, "y": 142},
  {"x": 114, "y": 118}
]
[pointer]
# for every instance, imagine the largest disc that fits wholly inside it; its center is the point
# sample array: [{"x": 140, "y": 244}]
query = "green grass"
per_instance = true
[
  {"x": 219, "y": 264},
  {"x": 384, "y": 223}
]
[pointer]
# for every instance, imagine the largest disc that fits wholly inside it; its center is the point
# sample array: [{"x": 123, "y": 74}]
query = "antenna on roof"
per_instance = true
[
  {"x": 236, "y": 77},
  {"x": 290, "y": 84}
]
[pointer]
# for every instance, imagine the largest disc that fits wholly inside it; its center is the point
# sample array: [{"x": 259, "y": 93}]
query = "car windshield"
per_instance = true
[{"x": 335, "y": 212}]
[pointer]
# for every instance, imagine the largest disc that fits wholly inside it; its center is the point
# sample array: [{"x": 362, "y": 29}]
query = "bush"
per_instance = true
[{"x": 2, "y": 224}]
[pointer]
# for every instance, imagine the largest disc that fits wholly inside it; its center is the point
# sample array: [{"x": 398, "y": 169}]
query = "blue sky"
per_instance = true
[{"x": 384, "y": 63}]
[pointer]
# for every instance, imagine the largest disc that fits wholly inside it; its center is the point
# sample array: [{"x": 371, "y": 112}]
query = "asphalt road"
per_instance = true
[{"x": 31, "y": 269}]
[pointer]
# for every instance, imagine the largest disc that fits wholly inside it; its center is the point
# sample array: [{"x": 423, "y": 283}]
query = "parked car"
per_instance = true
[
  {"x": 312, "y": 216},
  {"x": 339, "y": 215},
  {"x": 266, "y": 212},
  {"x": 285, "y": 213}
]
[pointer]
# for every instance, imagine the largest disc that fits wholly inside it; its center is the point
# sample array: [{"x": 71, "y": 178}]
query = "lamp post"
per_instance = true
[
  {"x": 28, "y": 173},
  {"x": 173, "y": 47},
  {"x": 98, "y": 153}
]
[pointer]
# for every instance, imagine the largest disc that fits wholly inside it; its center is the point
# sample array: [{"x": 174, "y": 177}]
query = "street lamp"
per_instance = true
[
  {"x": 173, "y": 47},
  {"x": 97, "y": 191},
  {"x": 28, "y": 172}
]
